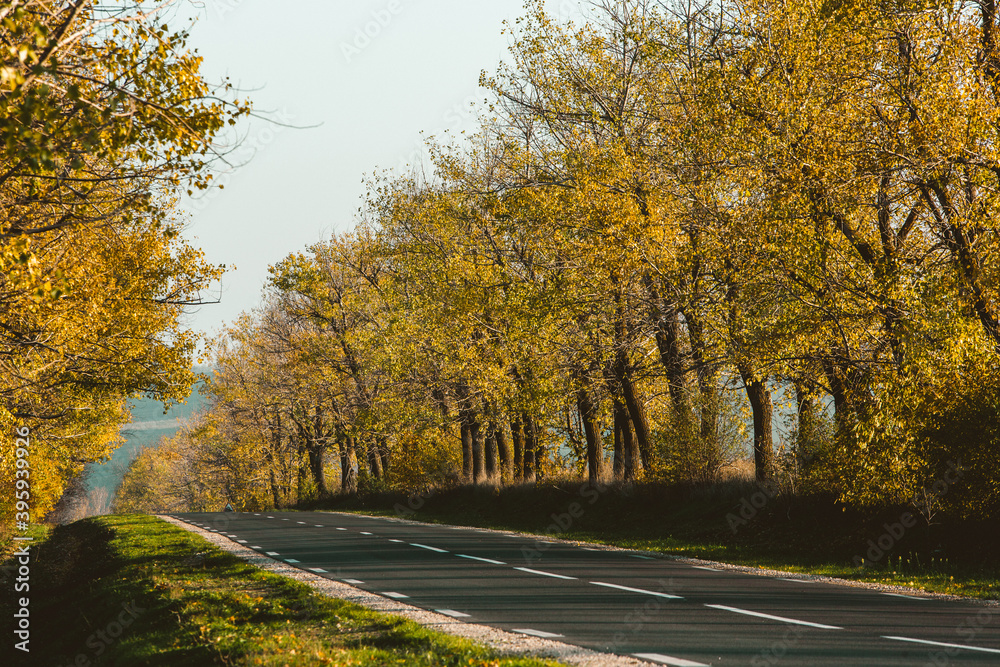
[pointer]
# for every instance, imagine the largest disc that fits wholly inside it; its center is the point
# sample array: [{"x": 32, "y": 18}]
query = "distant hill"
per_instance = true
[{"x": 149, "y": 423}]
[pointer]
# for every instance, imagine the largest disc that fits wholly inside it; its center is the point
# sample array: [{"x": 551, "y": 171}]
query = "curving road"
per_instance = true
[{"x": 661, "y": 610}]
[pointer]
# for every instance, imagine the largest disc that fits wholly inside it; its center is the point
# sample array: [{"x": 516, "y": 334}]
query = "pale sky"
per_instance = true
[{"x": 373, "y": 74}]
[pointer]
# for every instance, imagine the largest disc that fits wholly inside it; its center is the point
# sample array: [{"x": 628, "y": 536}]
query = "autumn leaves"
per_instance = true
[{"x": 103, "y": 120}]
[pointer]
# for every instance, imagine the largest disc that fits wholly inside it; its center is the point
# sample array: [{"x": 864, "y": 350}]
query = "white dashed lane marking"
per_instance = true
[
  {"x": 638, "y": 590},
  {"x": 272, "y": 553},
  {"x": 485, "y": 560},
  {"x": 771, "y": 617},
  {"x": 424, "y": 546},
  {"x": 353, "y": 581},
  {"x": 544, "y": 574},
  {"x": 317, "y": 569},
  {"x": 710, "y": 569},
  {"x": 452, "y": 613},
  {"x": 943, "y": 644},
  {"x": 535, "y": 633},
  {"x": 291, "y": 560},
  {"x": 395, "y": 595}
]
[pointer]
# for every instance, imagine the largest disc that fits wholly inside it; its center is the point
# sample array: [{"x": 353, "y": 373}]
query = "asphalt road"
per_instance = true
[{"x": 661, "y": 610}]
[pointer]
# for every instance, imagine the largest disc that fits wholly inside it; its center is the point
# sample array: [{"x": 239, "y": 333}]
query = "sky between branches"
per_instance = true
[{"x": 369, "y": 78}]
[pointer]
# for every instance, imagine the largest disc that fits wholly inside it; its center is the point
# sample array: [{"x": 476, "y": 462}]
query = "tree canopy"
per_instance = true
[{"x": 674, "y": 220}]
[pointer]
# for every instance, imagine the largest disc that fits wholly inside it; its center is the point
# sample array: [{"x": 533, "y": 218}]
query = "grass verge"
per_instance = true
[
  {"x": 722, "y": 522},
  {"x": 134, "y": 590}
]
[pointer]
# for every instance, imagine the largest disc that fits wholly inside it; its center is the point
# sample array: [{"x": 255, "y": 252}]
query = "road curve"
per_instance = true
[{"x": 660, "y": 610}]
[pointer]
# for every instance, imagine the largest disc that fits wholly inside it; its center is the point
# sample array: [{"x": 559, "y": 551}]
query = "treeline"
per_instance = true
[
  {"x": 104, "y": 120},
  {"x": 665, "y": 205}
]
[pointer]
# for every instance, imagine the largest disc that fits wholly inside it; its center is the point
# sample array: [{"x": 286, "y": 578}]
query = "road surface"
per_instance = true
[{"x": 661, "y": 610}]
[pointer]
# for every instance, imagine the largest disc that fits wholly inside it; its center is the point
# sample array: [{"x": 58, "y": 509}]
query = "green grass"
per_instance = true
[
  {"x": 182, "y": 601},
  {"x": 810, "y": 534}
]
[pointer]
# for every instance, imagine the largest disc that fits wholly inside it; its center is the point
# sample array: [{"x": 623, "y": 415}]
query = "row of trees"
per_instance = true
[
  {"x": 104, "y": 119},
  {"x": 670, "y": 210}
]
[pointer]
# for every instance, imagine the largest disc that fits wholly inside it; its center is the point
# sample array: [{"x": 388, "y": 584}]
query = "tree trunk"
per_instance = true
[
  {"x": 318, "y": 472},
  {"x": 842, "y": 409},
  {"x": 503, "y": 452},
  {"x": 382, "y": 450},
  {"x": 707, "y": 389},
  {"x": 807, "y": 412},
  {"x": 530, "y": 448},
  {"x": 374, "y": 464},
  {"x": 466, "y": 418},
  {"x": 588, "y": 415},
  {"x": 490, "y": 454},
  {"x": 763, "y": 409},
  {"x": 349, "y": 467},
  {"x": 634, "y": 405},
  {"x": 517, "y": 438},
  {"x": 626, "y": 454},
  {"x": 618, "y": 460},
  {"x": 275, "y": 493},
  {"x": 478, "y": 453},
  {"x": 666, "y": 319}
]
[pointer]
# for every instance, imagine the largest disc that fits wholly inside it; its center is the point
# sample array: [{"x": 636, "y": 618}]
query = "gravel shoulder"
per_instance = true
[{"x": 507, "y": 643}]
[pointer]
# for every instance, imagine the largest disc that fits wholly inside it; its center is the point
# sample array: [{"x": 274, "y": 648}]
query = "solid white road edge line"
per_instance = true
[
  {"x": 930, "y": 643},
  {"x": 544, "y": 574},
  {"x": 772, "y": 617},
  {"x": 638, "y": 590}
]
